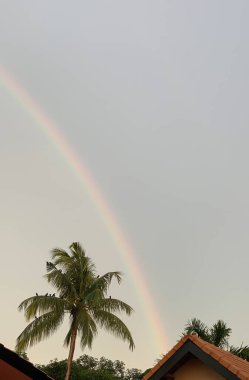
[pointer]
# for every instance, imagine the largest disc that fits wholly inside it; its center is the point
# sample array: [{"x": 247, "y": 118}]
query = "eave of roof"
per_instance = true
[
  {"x": 237, "y": 366},
  {"x": 22, "y": 365}
]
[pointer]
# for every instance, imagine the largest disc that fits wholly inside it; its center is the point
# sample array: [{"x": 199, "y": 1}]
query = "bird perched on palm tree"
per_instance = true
[
  {"x": 82, "y": 296},
  {"x": 218, "y": 334}
]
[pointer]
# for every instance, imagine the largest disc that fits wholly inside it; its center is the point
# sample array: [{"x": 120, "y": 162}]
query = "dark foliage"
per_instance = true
[{"x": 89, "y": 368}]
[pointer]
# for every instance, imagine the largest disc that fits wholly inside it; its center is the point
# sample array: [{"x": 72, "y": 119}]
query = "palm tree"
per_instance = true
[
  {"x": 198, "y": 327},
  {"x": 218, "y": 334},
  {"x": 80, "y": 294}
]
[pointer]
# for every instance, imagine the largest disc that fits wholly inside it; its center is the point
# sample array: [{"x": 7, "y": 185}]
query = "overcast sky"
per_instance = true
[{"x": 153, "y": 97}]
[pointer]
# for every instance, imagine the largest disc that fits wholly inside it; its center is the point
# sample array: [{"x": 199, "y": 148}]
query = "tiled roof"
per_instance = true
[{"x": 234, "y": 364}]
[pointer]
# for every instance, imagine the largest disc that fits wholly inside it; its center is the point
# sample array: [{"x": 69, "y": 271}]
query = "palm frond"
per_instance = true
[
  {"x": 60, "y": 257},
  {"x": 50, "y": 266},
  {"x": 242, "y": 351},
  {"x": 62, "y": 282},
  {"x": 79, "y": 258},
  {"x": 39, "y": 329},
  {"x": 77, "y": 251},
  {"x": 93, "y": 296},
  {"x": 114, "y": 325},
  {"x": 77, "y": 267},
  {"x": 195, "y": 325},
  {"x": 70, "y": 331},
  {"x": 219, "y": 334},
  {"x": 103, "y": 282},
  {"x": 87, "y": 329},
  {"x": 42, "y": 304},
  {"x": 113, "y": 305}
]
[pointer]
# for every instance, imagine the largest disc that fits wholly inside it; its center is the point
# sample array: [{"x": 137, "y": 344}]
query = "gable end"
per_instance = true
[{"x": 190, "y": 348}]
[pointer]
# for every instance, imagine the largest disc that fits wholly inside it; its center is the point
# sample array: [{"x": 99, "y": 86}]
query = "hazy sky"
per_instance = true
[{"x": 153, "y": 97}]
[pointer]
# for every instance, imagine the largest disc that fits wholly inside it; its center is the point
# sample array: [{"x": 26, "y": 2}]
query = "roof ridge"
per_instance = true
[{"x": 233, "y": 363}]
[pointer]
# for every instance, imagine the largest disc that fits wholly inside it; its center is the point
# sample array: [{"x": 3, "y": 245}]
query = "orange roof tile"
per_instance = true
[{"x": 234, "y": 364}]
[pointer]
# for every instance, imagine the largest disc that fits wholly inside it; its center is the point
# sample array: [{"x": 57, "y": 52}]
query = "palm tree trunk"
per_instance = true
[{"x": 71, "y": 353}]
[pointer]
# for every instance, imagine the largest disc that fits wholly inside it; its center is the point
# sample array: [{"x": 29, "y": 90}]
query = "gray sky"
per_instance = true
[{"x": 153, "y": 96}]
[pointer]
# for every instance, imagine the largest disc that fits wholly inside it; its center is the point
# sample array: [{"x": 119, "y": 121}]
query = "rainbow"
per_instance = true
[{"x": 54, "y": 135}]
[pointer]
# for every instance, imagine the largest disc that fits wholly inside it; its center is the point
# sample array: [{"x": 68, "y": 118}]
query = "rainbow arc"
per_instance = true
[{"x": 55, "y": 136}]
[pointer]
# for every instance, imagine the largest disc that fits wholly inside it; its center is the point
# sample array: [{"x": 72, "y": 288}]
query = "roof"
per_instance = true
[
  {"x": 22, "y": 365},
  {"x": 239, "y": 368}
]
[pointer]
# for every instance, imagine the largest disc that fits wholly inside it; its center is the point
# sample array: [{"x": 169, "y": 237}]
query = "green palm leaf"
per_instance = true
[
  {"x": 220, "y": 333},
  {"x": 39, "y": 329},
  {"x": 103, "y": 283},
  {"x": 196, "y": 326},
  {"x": 87, "y": 329},
  {"x": 42, "y": 304},
  {"x": 113, "y": 324},
  {"x": 242, "y": 351},
  {"x": 115, "y": 305}
]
